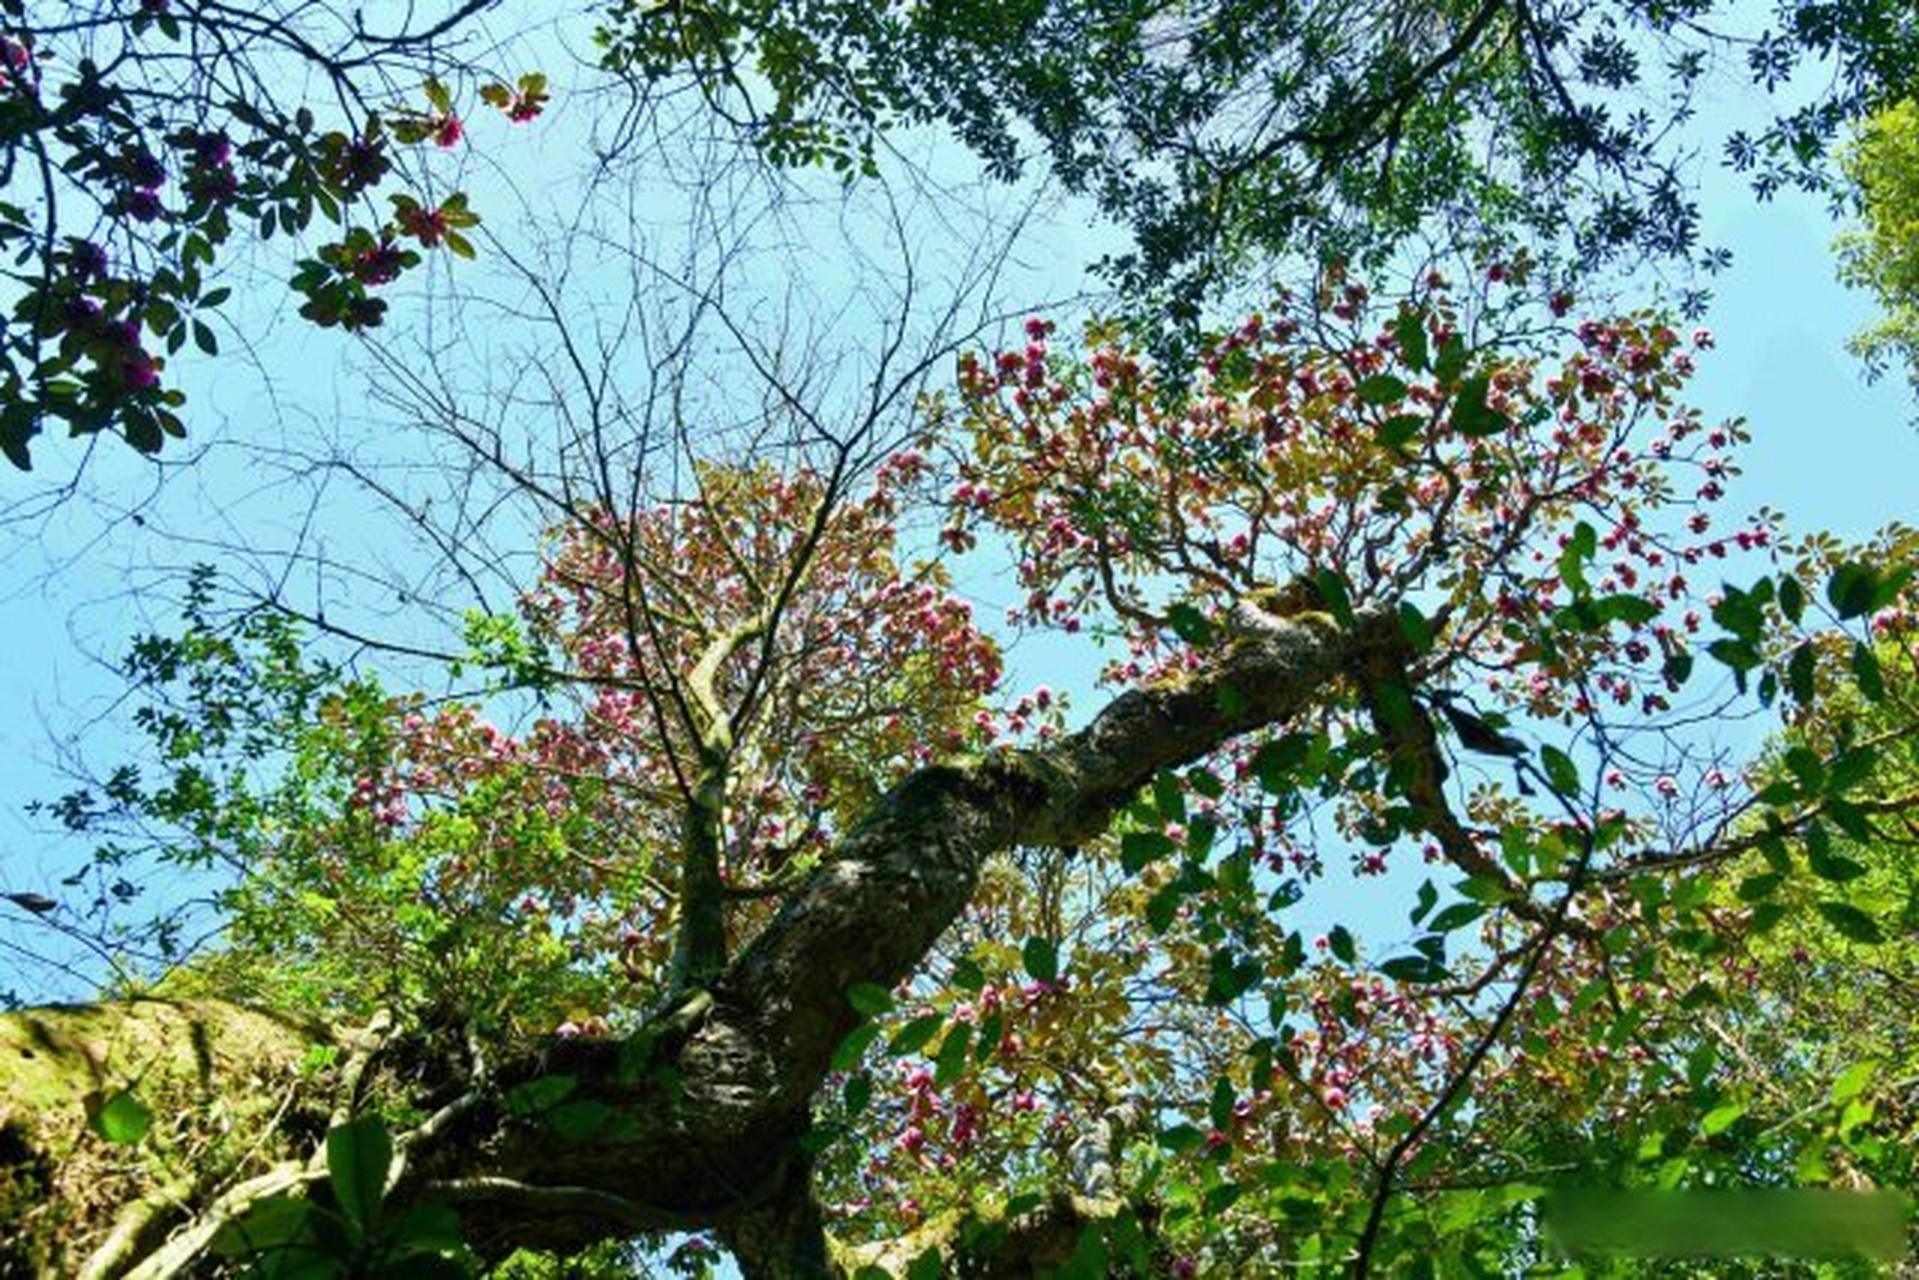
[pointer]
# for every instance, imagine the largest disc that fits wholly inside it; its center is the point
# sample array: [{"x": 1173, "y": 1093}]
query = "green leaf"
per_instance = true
[
  {"x": 1634, "y": 611},
  {"x": 952, "y": 1055},
  {"x": 204, "y": 339},
  {"x": 1220, "y": 1198},
  {"x": 1332, "y": 593},
  {"x": 1865, "y": 670},
  {"x": 1851, "y": 589},
  {"x": 847, "y": 1054},
  {"x": 1457, "y": 916},
  {"x": 1792, "y": 598},
  {"x": 967, "y": 975},
  {"x": 1452, "y": 360},
  {"x": 1852, "y": 1082},
  {"x": 1275, "y": 762},
  {"x": 1413, "y": 969},
  {"x": 1471, "y": 415},
  {"x": 915, "y": 1035},
  {"x": 1341, "y": 943},
  {"x": 857, "y": 1092},
  {"x": 992, "y": 1029},
  {"x": 1169, "y": 796},
  {"x": 1409, "y": 330},
  {"x": 1220, "y": 1109},
  {"x": 1754, "y": 888},
  {"x": 1041, "y": 958},
  {"x": 269, "y": 1223},
  {"x": 1163, "y": 907},
  {"x": 1425, "y": 900},
  {"x": 122, "y": 1118},
  {"x": 1850, "y": 922},
  {"x": 579, "y": 1120},
  {"x": 1721, "y": 1118},
  {"x": 1415, "y": 628},
  {"x": 869, "y": 999},
  {"x": 1230, "y": 976},
  {"x": 1138, "y": 849},
  {"x": 1400, "y": 429},
  {"x": 1179, "y": 1138},
  {"x": 1581, "y": 547},
  {"x": 1799, "y": 673},
  {"x": 357, "y": 1157},
  {"x": 1561, "y": 773},
  {"x": 1850, "y": 818},
  {"x": 1189, "y": 624},
  {"x": 1381, "y": 388}
]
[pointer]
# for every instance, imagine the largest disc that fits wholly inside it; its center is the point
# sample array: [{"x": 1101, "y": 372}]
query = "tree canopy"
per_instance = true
[{"x": 680, "y": 866}]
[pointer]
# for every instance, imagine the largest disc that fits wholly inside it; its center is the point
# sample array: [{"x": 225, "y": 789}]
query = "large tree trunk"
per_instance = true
[{"x": 707, "y": 1142}]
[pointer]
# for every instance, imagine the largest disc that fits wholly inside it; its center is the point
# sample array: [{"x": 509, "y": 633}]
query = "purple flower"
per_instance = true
[
  {"x": 139, "y": 372},
  {"x": 80, "y": 314},
  {"x": 212, "y": 149},
  {"x": 143, "y": 205},
  {"x": 214, "y": 184},
  {"x": 143, "y": 168},
  {"x": 86, "y": 260}
]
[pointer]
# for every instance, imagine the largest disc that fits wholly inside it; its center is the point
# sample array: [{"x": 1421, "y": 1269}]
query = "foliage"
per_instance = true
[
  {"x": 387, "y": 850},
  {"x": 1882, "y": 165},
  {"x": 1418, "y": 592},
  {"x": 143, "y": 145},
  {"x": 1225, "y": 135},
  {"x": 287, "y": 1236},
  {"x": 1154, "y": 1019}
]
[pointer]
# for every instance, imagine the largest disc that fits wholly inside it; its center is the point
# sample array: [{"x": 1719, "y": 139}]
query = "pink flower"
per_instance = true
[{"x": 448, "y": 130}]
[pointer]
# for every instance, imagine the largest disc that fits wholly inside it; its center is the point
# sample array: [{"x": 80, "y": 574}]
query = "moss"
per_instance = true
[{"x": 210, "y": 1074}]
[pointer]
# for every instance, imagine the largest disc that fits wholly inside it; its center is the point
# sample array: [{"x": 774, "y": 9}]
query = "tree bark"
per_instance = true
[{"x": 713, "y": 1097}]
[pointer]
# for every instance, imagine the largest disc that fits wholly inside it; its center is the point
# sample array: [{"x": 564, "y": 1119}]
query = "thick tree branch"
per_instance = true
[{"x": 714, "y": 1098}]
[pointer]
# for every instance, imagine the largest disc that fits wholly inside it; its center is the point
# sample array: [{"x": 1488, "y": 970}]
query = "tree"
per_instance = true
[
  {"x": 1229, "y": 136},
  {"x": 723, "y": 887},
  {"x": 1883, "y": 167},
  {"x": 781, "y": 921},
  {"x": 142, "y": 145}
]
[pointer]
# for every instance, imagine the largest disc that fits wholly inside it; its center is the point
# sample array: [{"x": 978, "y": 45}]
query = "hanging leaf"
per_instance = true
[
  {"x": 1472, "y": 416},
  {"x": 1341, "y": 944},
  {"x": 357, "y": 1157},
  {"x": 1851, "y": 922},
  {"x": 951, "y": 1060},
  {"x": 869, "y": 999},
  {"x": 1041, "y": 958},
  {"x": 915, "y": 1035}
]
